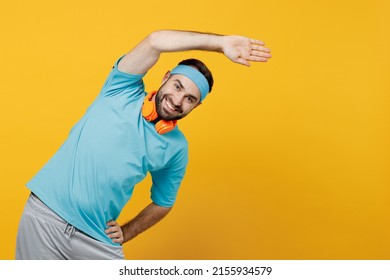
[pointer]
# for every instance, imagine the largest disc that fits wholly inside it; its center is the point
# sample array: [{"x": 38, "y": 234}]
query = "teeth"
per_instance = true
[{"x": 170, "y": 106}]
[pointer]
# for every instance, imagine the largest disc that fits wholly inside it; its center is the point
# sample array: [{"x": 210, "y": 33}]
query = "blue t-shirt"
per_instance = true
[{"x": 92, "y": 175}]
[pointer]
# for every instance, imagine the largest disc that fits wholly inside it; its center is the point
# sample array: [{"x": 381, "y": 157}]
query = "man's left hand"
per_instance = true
[{"x": 114, "y": 232}]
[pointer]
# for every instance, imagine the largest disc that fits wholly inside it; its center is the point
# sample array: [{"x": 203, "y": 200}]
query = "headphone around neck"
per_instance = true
[{"x": 149, "y": 112}]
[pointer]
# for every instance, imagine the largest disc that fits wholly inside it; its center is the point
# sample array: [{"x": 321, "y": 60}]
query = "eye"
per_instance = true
[
  {"x": 177, "y": 87},
  {"x": 190, "y": 99}
]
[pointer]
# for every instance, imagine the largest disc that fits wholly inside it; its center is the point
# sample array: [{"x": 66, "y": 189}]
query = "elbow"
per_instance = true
[
  {"x": 162, "y": 210},
  {"x": 166, "y": 208},
  {"x": 154, "y": 40}
]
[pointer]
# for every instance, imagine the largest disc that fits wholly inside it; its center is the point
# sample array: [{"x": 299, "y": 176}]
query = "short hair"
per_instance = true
[{"x": 202, "y": 68}]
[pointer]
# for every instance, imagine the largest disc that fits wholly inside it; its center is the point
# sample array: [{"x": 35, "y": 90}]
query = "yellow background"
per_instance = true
[{"x": 288, "y": 159}]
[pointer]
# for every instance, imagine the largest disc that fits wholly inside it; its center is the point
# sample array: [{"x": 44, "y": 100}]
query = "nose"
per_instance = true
[{"x": 177, "y": 100}]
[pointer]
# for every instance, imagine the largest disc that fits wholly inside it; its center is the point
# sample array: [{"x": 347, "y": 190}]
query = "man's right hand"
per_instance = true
[{"x": 243, "y": 50}]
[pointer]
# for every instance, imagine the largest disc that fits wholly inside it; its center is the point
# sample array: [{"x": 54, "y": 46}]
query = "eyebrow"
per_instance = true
[
  {"x": 182, "y": 87},
  {"x": 180, "y": 84}
]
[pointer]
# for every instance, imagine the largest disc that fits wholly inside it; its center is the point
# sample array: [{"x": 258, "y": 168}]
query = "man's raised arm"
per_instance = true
[{"x": 238, "y": 49}]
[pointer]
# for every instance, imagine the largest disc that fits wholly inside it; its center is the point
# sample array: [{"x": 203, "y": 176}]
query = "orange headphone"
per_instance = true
[{"x": 149, "y": 112}]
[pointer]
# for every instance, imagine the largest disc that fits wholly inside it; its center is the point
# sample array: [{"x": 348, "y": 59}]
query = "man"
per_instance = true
[{"x": 77, "y": 196}]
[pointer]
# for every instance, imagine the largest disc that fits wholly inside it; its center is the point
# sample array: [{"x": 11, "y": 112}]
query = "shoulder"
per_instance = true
[{"x": 121, "y": 82}]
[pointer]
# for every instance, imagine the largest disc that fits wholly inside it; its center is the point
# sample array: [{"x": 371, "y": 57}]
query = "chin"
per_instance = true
[{"x": 166, "y": 117}]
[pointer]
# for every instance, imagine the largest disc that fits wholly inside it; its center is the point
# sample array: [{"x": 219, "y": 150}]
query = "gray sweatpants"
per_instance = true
[{"x": 43, "y": 235}]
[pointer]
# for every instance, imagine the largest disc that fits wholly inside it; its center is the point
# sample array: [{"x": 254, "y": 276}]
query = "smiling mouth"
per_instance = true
[{"x": 170, "y": 106}]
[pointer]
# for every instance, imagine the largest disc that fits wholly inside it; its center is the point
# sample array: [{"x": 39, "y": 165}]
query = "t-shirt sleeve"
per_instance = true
[
  {"x": 119, "y": 82},
  {"x": 166, "y": 181}
]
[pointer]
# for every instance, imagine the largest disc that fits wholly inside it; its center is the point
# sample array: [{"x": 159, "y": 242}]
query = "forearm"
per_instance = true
[
  {"x": 174, "y": 41},
  {"x": 148, "y": 217}
]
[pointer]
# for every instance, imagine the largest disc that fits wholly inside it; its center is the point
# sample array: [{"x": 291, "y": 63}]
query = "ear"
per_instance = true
[{"x": 166, "y": 76}]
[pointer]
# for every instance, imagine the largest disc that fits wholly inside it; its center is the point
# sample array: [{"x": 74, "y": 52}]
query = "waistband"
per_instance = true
[{"x": 40, "y": 209}]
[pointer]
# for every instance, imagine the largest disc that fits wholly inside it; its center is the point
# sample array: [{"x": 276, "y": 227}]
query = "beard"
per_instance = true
[{"x": 167, "y": 116}]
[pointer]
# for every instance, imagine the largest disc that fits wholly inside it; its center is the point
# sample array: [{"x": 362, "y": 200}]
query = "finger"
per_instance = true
[
  {"x": 112, "y": 223},
  {"x": 258, "y": 59},
  {"x": 115, "y": 235},
  {"x": 112, "y": 229},
  {"x": 257, "y": 42},
  {"x": 260, "y": 48},
  {"x": 242, "y": 61},
  {"x": 117, "y": 240},
  {"x": 260, "y": 54}
]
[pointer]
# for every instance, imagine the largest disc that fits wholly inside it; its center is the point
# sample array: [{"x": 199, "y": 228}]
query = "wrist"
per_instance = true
[
  {"x": 127, "y": 232},
  {"x": 218, "y": 42}
]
